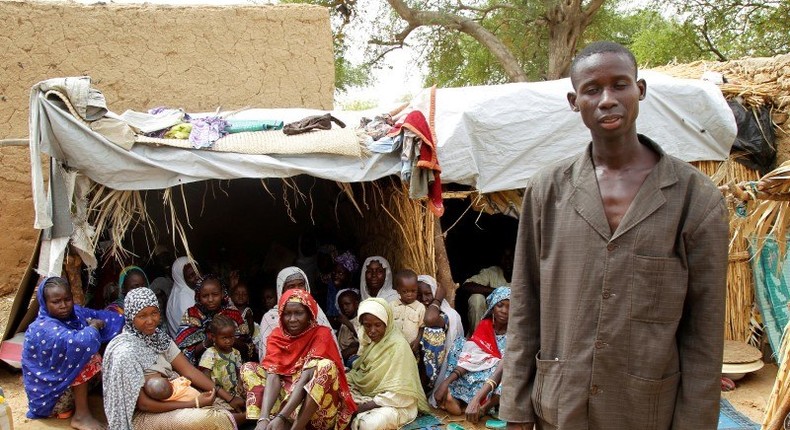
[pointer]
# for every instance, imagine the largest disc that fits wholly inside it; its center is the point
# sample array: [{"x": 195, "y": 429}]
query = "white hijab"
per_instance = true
[
  {"x": 455, "y": 329},
  {"x": 386, "y": 292},
  {"x": 182, "y": 297},
  {"x": 272, "y": 317}
]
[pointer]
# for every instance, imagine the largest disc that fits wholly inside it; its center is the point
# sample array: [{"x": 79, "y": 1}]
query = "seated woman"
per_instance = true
[
  {"x": 475, "y": 366},
  {"x": 131, "y": 277},
  {"x": 61, "y": 354},
  {"x": 288, "y": 278},
  {"x": 211, "y": 298},
  {"x": 144, "y": 351},
  {"x": 303, "y": 375},
  {"x": 442, "y": 328},
  {"x": 384, "y": 379},
  {"x": 376, "y": 280}
]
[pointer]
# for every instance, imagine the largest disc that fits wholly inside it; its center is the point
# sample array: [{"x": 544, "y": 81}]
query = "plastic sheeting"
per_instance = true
[{"x": 489, "y": 137}]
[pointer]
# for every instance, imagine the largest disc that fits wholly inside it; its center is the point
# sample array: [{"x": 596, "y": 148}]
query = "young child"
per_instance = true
[
  {"x": 222, "y": 362},
  {"x": 348, "y": 303},
  {"x": 407, "y": 312},
  {"x": 159, "y": 388},
  {"x": 269, "y": 298},
  {"x": 240, "y": 295}
]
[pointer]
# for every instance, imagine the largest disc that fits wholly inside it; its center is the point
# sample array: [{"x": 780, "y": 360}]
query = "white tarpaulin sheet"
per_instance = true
[{"x": 489, "y": 137}]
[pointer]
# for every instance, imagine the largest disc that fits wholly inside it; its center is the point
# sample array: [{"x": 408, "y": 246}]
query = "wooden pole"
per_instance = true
[
  {"x": 444, "y": 275},
  {"x": 73, "y": 267}
]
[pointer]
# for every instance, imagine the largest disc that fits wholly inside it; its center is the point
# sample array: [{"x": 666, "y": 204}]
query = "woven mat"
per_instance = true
[
  {"x": 736, "y": 352},
  {"x": 338, "y": 141},
  {"x": 731, "y": 419}
]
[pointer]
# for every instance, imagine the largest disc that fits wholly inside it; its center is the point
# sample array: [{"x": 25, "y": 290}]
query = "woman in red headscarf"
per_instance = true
[{"x": 302, "y": 372}]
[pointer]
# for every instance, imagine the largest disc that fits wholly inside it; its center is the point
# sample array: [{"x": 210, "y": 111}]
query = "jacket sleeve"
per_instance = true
[
  {"x": 700, "y": 335},
  {"x": 523, "y": 336}
]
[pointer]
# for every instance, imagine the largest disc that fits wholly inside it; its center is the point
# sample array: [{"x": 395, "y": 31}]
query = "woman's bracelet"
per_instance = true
[
  {"x": 281, "y": 416},
  {"x": 437, "y": 306},
  {"x": 491, "y": 383}
]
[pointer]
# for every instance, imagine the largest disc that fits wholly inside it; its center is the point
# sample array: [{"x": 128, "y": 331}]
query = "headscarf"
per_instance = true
[
  {"x": 481, "y": 352},
  {"x": 386, "y": 292},
  {"x": 348, "y": 260},
  {"x": 455, "y": 327},
  {"x": 117, "y": 305},
  {"x": 181, "y": 297},
  {"x": 197, "y": 319},
  {"x": 387, "y": 365},
  {"x": 127, "y": 357},
  {"x": 271, "y": 319},
  {"x": 341, "y": 292},
  {"x": 349, "y": 263},
  {"x": 55, "y": 351}
]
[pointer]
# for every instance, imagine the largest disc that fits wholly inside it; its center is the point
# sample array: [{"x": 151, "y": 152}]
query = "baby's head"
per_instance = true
[
  {"x": 348, "y": 303},
  {"x": 222, "y": 330},
  {"x": 158, "y": 388},
  {"x": 406, "y": 284}
]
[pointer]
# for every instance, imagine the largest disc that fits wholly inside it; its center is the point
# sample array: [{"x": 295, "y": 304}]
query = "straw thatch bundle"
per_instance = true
[
  {"x": 757, "y": 81},
  {"x": 779, "y": 403},
  {"x": 394, "y": 226}
]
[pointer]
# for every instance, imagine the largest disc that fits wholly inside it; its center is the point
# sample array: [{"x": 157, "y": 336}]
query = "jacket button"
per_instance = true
[
  {"x": 611, "y": 246},
  {"x": 606, "y": 294},
  {"x": 594, "y": 390},
  {"x": 599, "y": 344}
]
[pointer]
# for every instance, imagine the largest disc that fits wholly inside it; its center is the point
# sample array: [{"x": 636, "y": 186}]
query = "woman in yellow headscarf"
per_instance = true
[{"x": 384, "y": 379}]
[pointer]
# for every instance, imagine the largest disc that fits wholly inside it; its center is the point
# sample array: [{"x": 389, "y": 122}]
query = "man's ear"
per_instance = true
[
  {"x": 642, "y": 88},
  {"x": 572, "y": 101}
]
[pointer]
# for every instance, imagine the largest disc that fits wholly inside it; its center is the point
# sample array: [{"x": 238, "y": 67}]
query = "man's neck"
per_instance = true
[{"x": 617, "y": 153}]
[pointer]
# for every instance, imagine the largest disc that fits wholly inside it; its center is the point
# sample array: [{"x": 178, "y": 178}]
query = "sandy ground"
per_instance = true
[{"x": 750, "y": 396}]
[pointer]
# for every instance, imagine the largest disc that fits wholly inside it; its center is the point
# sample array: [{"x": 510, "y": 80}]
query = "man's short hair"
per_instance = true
[{"x": 600, "y": 48}]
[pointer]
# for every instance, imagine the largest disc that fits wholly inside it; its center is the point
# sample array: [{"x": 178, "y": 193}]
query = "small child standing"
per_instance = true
[
  {"x": 407, "y": 312},
  {"x": 348, "y": 303},
  {"x": 240, "y": 295},
  {"x": 222, "y": 362}
]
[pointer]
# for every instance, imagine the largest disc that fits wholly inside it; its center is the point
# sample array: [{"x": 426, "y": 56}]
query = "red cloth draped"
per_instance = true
[
  {"x": 485, "y": 337},
  {"x": 286, "y": 354}
]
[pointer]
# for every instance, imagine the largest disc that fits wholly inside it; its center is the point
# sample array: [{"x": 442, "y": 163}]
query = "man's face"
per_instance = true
[{"x": 607, "y": 94}]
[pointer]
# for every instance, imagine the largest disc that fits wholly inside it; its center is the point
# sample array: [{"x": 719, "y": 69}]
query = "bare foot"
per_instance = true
[
  {"x": 452, "y": 406},
  {"x": 86, "y": 422}
]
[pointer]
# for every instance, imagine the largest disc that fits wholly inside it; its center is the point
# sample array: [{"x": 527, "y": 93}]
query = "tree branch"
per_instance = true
[
  {"x": 709, "y": 42},
  {"x": 417, "y": 18}
]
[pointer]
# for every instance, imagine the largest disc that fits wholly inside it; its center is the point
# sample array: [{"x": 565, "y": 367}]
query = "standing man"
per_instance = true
[{"x": 617, "y": 307}]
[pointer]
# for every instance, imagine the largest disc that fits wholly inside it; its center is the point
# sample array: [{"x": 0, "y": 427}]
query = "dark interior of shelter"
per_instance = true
[{"x": 258, "y": 227}]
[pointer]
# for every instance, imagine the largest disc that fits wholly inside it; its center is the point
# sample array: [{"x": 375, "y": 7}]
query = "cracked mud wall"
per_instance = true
[{"x": 142, "y": 56}]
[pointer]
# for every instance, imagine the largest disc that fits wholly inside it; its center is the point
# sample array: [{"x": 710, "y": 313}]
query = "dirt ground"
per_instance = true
[{"x": 750, "y": 396}]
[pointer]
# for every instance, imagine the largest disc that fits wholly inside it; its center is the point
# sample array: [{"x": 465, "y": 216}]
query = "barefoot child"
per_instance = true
[
  {"x": 408, "y": 313},
  {"x": 222, "y": 361}
]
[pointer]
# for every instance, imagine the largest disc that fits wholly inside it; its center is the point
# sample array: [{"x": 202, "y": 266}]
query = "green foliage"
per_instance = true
[
  {"x": 729, "y": 29},
  {"x": 357, "y": 105}
]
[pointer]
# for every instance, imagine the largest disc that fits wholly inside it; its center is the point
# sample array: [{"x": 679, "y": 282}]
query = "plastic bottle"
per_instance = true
[{"x": 6, "y": 419}]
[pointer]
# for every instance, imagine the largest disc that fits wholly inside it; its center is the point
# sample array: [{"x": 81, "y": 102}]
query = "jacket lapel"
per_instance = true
[{"x": 585, "y": 197}]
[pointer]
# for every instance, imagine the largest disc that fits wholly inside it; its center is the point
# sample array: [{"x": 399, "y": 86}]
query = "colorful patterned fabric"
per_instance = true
[
  {"x": 465, "y": 387},
  {"x": 55, "y": 351},
  {"x": 433, "y": 349},
  {"x": 195, "y": 323},
  {"x": 287, "y": 354},
  {"x": 325, "y": 388},
  {"x": 224, "y": 368}
]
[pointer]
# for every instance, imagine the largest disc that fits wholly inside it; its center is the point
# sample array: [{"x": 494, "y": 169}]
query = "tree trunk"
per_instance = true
[{"x": 567, "y": 21}]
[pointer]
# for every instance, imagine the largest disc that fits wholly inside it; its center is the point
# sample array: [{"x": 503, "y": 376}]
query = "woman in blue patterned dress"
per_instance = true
[{"x": 474, "y": 366}]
